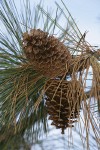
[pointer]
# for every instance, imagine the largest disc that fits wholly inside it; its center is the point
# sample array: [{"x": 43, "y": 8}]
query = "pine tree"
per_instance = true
[{"x": 43, "y": 73}]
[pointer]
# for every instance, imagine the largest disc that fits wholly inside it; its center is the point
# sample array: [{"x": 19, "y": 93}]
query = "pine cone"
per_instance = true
[
  {"x": 78, "y": 64},
  {"x": 63, "y": 102},
  {"x": 47, "y": 54}
]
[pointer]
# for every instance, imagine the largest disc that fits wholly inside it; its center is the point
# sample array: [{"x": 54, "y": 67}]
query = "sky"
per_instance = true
[{"x": 85, "y": 12}]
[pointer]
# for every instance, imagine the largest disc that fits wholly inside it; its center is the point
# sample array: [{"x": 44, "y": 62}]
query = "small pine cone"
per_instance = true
[
  {"x": 78, "y": 63},
  {"x": 63, "y": 102},
  {"x": 47, "y": 54}
]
